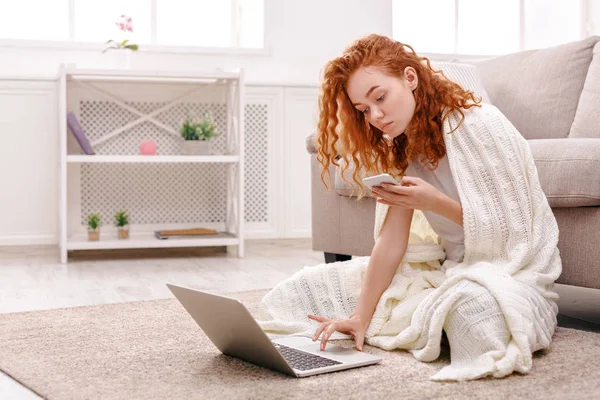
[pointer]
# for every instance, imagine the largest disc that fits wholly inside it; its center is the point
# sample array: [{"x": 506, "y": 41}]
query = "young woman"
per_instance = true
[{"x": 470, "y": 173}]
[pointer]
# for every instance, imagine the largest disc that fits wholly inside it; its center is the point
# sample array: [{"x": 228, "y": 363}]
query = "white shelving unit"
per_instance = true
[{"x": 73, "y": 234}]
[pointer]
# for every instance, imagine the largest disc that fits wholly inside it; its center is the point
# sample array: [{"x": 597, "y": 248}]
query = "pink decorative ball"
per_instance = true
[{"x": 148, "y": 148}]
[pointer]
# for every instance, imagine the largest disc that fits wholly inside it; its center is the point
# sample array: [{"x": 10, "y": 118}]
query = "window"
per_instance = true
[
  {"x": 252, "y": 22},
  {"x": 551, "y": 25},
  {"x": 95, "y": 20},
  {"x": 49, "y": 21},
  {"x": 490, "y": 27},
  {"x": 187, "y": 23},
  {"x": 486, "y": 27},
  {"x": 594, "y": 20},
  {"x": 416, "y": 25},
  {"x": 202, "y": 23}
]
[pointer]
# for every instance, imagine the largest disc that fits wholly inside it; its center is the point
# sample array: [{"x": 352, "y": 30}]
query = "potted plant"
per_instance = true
[
  {"x": 94, "y": 227},
  {"x": 197, "y": 135},
  {"x": 124, "y": 49},
  {"x": 122, "y": 224}
]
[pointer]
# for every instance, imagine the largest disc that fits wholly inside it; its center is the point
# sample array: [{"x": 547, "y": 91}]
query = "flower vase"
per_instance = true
[{"x": 121, "y": 59}]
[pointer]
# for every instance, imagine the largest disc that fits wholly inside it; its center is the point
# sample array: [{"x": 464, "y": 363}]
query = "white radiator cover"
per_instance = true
[
  {"x": 277, "y": 165},
  {"x": 183, "y": 193}
]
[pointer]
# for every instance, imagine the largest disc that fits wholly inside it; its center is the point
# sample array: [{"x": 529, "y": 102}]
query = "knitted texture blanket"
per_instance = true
[{"x": 497, "y": 306}]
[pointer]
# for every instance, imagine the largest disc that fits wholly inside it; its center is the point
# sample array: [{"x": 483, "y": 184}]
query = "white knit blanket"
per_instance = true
[{"x": 497, "y": 306}]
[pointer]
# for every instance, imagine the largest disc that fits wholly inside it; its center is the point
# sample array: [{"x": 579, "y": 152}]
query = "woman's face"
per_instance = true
[{"x": 387, "y": 102}]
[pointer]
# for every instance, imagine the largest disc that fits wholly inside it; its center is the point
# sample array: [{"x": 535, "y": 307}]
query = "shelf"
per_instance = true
[
  {"x": 149, "y": 75},
  {"x": 147, "y": 240},
  {"x": 76, "y": 85},
  {"x": 151, "y": 159}
]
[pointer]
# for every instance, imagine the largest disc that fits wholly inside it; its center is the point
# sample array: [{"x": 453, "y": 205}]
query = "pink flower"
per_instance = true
[{"x": 125, "y": 23}]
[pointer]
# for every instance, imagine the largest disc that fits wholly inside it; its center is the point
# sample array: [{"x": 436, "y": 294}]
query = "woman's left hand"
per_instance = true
[{"x": 411, "y": 192}]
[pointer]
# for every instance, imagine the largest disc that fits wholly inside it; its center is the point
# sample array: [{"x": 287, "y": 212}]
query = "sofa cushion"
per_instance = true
[
  {"x": 587, "y": 117},
  {"x": 538, "y": 90},
  {"x": 465, "y": 75},
  {"x": 568, "y": 170}
]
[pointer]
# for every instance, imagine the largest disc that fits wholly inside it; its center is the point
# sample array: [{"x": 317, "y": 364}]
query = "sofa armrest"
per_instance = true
[
  {"x": 311, "y": 143},
  {"x": 340, "y": 224}
]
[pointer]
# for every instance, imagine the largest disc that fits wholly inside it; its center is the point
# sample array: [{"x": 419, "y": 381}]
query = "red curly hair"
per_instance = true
[{"x": 343, "y": 131}]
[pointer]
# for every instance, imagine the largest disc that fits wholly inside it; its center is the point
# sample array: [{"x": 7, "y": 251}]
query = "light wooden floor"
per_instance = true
[{"x": 34, "y": 279}]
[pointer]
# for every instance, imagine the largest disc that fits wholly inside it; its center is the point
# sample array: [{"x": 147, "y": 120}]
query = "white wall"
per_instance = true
[{"x": 300, "y": 36}]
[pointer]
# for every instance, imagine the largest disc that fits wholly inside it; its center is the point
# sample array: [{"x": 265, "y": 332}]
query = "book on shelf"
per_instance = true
[
  {"x": 79, "y": 134},
  {"x": 179, "y": 233}
]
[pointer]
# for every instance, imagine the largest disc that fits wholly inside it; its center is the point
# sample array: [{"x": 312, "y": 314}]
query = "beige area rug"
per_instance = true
[{"x": 154, "y": 350}]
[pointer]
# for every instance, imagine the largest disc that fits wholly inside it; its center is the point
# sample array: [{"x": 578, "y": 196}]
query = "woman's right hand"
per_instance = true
[{"x": 352, "y": 326}]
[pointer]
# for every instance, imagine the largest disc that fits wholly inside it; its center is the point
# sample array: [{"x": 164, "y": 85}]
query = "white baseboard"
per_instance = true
[
  {"x": 47, "y": 239},
  {"x": 29, "y": 240}
]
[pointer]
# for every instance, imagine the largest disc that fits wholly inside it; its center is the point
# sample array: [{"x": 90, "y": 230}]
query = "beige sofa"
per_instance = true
[{"x": 552, "y": 96}]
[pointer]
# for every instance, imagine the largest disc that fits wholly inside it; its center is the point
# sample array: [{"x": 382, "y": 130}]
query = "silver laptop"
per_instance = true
[{"x": 231, "y": 327}]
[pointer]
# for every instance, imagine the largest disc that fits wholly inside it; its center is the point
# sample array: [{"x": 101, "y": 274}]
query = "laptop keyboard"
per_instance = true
[{"x": 303, "y": 361}]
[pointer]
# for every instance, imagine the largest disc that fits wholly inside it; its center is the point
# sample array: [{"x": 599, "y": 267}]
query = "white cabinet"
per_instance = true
[
  {"x": 121, "y": 109},
  {"x": 301, "y": 116},
  {"x": 28, "y": 161},
  {"x": 276, "y": 121}
]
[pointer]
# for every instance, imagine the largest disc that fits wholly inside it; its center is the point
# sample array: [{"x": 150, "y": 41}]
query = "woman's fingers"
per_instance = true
[
  {"x": 359, "y": 340},
  {"x": 337, "y": 326},
  {"x": 391, "y": 196},
  {"x": 320, "y": 329},
  {"x": 410, "y": 180},
  {"x": 324, "y": 323},
  {"x": 330, "y": 329},
  {"x": 396, "y": 189},
  {"x": 318, "y": 318}
]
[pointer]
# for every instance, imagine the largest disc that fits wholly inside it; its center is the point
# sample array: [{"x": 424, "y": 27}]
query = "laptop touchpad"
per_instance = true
[{"x": 335, "y": 352}]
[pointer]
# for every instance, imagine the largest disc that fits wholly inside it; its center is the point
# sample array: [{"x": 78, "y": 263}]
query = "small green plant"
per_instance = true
[
  {"x": 121, "y": 219},
  {"x": 204, "y": 129},
  {"x": 94, "y": 221}
]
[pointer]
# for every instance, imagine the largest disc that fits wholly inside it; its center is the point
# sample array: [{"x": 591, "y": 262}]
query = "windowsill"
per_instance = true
[
  {"x": 146, "y": 48},
  {"x": 449, "y": 57},
  {"x": 249, "y": 83}
]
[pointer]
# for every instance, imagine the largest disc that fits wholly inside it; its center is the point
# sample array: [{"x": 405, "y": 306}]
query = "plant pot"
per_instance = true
[
  {"x": 197, "y": 147},
  {"x": 93, "y": 235},
  {"x": 120, "y": 58},
  {"x": 123, "y": 232}
]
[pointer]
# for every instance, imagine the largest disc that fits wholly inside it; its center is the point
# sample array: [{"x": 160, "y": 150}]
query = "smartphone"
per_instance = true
[{"x": 377, "y": 180}]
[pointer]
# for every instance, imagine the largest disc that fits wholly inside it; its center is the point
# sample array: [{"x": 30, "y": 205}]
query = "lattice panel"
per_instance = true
[
  {"x": 155, "y": 193},
  {"x": 256, "y": 165},
  {"x": 170, "y": 193},
  {"x": 100, "y": 117}
]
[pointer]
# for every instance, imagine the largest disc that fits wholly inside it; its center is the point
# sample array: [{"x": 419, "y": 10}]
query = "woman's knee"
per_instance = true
[{"x": 476, "y": 314}]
